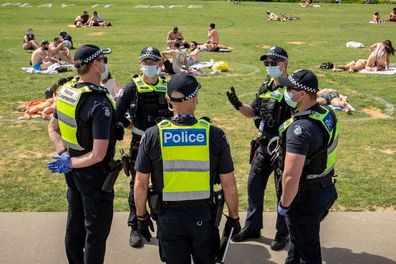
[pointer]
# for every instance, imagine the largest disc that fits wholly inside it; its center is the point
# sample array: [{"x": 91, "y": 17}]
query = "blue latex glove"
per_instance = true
[
  {"x": 282, "y": 210},
  {"x": 60, "y": 164}
]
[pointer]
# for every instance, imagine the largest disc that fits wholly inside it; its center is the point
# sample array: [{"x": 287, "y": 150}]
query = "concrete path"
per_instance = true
[{"x": 349, "y": 238}]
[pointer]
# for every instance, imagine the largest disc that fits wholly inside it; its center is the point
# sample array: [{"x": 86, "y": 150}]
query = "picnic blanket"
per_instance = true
[
  {"x": 354, "y": 44},
  {"x": 53, "y": 69},
  {"x": 392, "y": 70}
]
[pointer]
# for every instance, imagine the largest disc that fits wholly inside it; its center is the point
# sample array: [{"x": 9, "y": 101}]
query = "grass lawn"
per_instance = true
[{"x": 367, "y": 149}]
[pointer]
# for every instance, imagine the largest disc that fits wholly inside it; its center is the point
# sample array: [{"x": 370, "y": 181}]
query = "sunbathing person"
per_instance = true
[
  {"x": 334, "y": 98},
  {"x": 178, "y": 63},
  {"x": 29, "y": 41},
  {"x": 97, "y": 21},
  {"x": 82, "y": 20},
  {"x": 376, "y": 18},
  {"x": 274, "y": 17},
  {"x": 67, "y": 39},
  {"x": 58, "y": 51},
  {"x": 40, "y": 58},
  {"x": 194, "y": 56},
  {"x": 212, "y": 44},
  {"x": 392, "y": 16},
  {"x": 173, "y": 36},
  {"x": 308, "y": 3},
  {"x": 377, "y": 61}
]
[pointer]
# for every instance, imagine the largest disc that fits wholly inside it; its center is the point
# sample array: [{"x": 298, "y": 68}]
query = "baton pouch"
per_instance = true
[
  {"x": 253, "y": 149},
  {"x": 112, "y": 175}
]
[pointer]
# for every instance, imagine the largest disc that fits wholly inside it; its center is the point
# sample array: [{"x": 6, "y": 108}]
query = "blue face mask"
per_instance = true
[
  {"x": 105, "y": 73},
  {"x": 149, "y": 70},
  {"x": 274, "y": 71},
  {"x": 289, "y": 99}
]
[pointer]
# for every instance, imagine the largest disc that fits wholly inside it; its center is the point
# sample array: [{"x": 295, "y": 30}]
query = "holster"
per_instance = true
[
  {"x": 115, "y": 168},
  {"x": 254, "y": 145},
  {"x": 155, "y": 203},
  {"x": 217, "y": 207}
]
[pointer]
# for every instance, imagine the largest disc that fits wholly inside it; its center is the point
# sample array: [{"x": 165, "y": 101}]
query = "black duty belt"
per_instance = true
[
  {"x": 185, "y": 203},
  {"x": 317, "y": 184}
]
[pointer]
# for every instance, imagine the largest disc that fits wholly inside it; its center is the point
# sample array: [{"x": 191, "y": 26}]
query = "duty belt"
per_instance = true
[
  {"x": 185, "y": 203},
  {"x": 317, "y": 184}
]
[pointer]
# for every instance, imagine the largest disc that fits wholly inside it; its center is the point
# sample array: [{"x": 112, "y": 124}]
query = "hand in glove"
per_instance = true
[
  {"x": 144, "y": 223},
  {"x": 119, "y": 131},
  {"x": 282, "y": 210},
  {"x": 233, "y": 98},
  {"x": 60, "y": 163},
  {"x": 231, "y": 223}
]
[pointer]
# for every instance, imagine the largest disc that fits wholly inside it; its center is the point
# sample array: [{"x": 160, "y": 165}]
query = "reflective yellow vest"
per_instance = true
[
  {"x": 144, "y": 87},
  {"x": 330, "y": 125},
  {"x": 186, "y": 162},
  {"x": 66, "y": 106},
  {"x": 277, "y": 94}
]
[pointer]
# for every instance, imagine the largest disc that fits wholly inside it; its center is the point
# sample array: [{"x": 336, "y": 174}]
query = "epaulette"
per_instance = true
[
  {"x": 99, "y": 89},
  {"x": 206, "y": 119}
]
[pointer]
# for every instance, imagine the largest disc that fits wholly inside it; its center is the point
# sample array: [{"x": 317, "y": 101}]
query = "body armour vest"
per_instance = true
[
  {"x": 273, "y": 110},
  {"x": 321, "y": 163},
  {"x": 186, "y": 161},
  {"x": 67, "y": 105},
  {"x": 150, "y": 105}
]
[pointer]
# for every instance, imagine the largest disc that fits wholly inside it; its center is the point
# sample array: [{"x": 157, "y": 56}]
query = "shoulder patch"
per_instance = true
[
  {"x": 297, "y": 130},
  {"x": 107, "y": 112}
]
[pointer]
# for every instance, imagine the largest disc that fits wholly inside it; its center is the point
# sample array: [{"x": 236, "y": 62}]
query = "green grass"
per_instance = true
[{"x": 366, "y": 153}]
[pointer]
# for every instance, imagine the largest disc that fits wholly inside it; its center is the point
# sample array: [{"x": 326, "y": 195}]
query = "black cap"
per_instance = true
[
  {"x": 44, "y": 42},
  {"x": 89, "y": 52},
  {"x": 183, "y": 83},
  {"x": 150, "y": 53},
  {"x": 275, "y": 53},
  {"x": 62, "y": 33},
  {"x": 301, "y": 80}
]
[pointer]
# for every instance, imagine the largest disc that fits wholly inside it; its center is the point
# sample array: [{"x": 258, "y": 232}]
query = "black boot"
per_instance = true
[
  {"x": 279, "y": 242},
  {"x": 246, "y": 234}
]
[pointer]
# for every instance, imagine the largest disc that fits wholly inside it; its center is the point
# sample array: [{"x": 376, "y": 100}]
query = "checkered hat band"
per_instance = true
[
  {"x": 193, "y": 93},
  {"x": 93, "y": 56},
  {"x": 301, "y": 86},
  {"x": 185, "y": 98},
  {"x": 149, "y": 55},
  {"x": 276, "y": 55}
]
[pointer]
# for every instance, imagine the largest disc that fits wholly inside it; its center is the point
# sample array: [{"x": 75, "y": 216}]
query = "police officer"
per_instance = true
[
  {"x": 144, "y": 99},
  {"x": 83, "y": 133},
  {"x": 269, "y": 110},
  {"x": 185, "y": 157},
  {"x": 307, "y": 156}
]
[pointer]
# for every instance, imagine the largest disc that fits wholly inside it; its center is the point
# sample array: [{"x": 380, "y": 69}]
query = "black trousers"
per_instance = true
[
  {"x": 133, "y": 152},
  {"x": 260, "y": 171},
  {"x": 187, "y": 232},
  {"x": 88, "y": 225},
  {"x": 303, "y": 222}
]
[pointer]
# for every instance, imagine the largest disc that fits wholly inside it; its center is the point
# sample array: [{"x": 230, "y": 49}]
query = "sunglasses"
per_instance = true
[
  {"x": 270, "y": 63},
  {"x": 102, "y": 58}
]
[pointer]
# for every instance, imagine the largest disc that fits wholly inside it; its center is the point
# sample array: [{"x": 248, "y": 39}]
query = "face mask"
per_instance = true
[
  {"x": 149, "y": 70},
  {"x": 274, "y": 71},
  {"x": 289, "y": 99},
  {"x": 105, "y": 73}
]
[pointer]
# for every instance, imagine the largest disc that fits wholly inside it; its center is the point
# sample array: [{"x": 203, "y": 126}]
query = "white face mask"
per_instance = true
[
  {"x": 150, "y": 70},
  {"x": 274, "y": 71},
  {"x": 289, "y": 99},
  {"x": 105, "y": 73}
]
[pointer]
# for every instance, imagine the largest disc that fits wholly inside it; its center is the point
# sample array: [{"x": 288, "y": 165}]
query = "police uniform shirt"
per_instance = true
[
  {"x": 149, "y": 156},
  {"x": 255, "y": 104},
  {"x": 124, "y": 100},
  {"x": 97, "y": 119},
  {"x": 305, "y": 136}
]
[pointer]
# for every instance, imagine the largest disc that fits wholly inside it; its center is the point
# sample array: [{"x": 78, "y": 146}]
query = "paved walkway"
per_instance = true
[{"x": 349, "y": 238}]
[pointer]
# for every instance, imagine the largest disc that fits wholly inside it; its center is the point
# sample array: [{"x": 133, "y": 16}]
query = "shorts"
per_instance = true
[
  {"x": 190, "y": 61},
  {"x": 329, "y": 96},
  {"x": 37, "y": 66}
]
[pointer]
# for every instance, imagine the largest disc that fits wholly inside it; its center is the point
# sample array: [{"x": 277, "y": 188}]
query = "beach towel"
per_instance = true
[
  {"x": 392, "y": 70},
  {"x": 53, "y": 69},
  {"x": 354, "y": 44},
  {"x": 340, "y": 107}
]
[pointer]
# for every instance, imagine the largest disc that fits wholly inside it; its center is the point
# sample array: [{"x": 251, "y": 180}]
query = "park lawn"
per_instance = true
[{"x": 366, "y": 153}]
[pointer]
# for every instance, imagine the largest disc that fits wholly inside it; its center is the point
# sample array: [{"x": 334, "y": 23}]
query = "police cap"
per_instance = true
[
  {"x": 301, "y": 80},
  {"x": 88, "y": 52},
  {"x": 275, "y": 53},
  {"x": 185, "y": 84},
  {"x": 150, "y": 53}
]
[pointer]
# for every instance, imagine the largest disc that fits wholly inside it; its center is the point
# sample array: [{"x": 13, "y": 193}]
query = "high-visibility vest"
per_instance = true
[
  {"x": 66, "y": 107},
  {"x": 330, "y": 124},
  {"x": 143, "y": 87},
  {"x": 186, "y": 161}
]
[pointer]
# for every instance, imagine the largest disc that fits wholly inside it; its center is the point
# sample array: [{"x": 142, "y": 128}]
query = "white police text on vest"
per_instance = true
[{"x": 184, "y": 137}]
